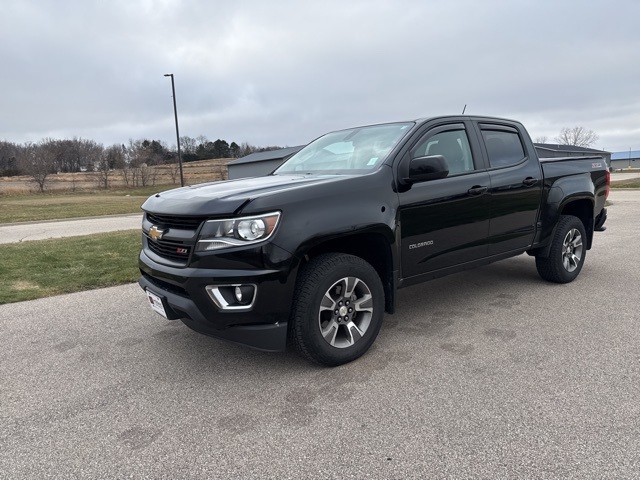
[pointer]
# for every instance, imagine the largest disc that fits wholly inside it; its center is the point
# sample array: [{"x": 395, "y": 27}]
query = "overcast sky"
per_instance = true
[{"x": 284, "y": 72}]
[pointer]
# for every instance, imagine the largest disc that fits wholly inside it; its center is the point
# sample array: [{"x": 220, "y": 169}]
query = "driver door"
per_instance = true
[{"x": 445, "y": 222}]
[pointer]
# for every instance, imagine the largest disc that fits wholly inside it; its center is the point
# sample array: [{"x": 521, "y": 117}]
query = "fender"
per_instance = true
[
  {"x": 564, "y": 194},
  {"x": 373, "y": 243}
]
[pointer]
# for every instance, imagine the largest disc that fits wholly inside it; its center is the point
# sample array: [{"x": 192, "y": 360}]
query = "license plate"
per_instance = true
[{"x": 156, "y": 303}]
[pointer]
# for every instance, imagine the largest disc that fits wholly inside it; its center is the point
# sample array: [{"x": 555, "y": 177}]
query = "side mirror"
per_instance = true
[{"x": 431, "y": 167}]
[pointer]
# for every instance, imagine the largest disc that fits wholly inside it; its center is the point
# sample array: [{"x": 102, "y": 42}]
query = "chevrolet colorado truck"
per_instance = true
[{"x": 312, "y": 255}]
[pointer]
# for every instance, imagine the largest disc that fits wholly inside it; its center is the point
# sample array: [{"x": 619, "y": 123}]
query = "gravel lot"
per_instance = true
[{"x": 488, "y": 374}]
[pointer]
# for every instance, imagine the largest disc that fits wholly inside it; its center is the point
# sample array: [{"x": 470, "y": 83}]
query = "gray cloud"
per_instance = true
[{"x": 285, "y": 72}]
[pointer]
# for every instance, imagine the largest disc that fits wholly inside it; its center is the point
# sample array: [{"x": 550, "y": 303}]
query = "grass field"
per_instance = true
[
  {"x": 631, "y": 183},
  {"x": 194, "y": 172},
  {"x": 76, "y": 195},
  {"x": 44, "y": 268},
  {"x": 26, "y": 208}
]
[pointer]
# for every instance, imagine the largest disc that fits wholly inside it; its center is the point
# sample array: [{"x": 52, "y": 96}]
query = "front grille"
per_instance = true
[
  {"x": 175, "y": 221},
  {"x": 176, "y": 251}
]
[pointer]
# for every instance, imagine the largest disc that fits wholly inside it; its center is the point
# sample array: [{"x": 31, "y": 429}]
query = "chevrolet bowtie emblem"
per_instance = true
[{"x": 155, "y": 233}]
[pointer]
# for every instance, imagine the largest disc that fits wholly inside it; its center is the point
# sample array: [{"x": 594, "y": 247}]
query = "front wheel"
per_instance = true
[
  {"x": 567, "y": 252},
  {"x": 338, "y": 309}
]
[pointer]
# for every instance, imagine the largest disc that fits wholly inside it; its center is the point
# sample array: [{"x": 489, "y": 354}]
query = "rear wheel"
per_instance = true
[
  {"x": 567, "y": 253},
  {"x": 338, "y": 309}
]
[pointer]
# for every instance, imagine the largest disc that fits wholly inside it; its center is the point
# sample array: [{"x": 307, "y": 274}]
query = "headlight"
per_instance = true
[
  {"x": 253, "y": 229},
  {"x": 235, "y": 232}
]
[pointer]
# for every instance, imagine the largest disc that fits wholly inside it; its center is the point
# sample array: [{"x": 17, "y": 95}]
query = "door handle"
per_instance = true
[
  {"x": 477, "y": 190},
  {"x": 529, "y": 181}
]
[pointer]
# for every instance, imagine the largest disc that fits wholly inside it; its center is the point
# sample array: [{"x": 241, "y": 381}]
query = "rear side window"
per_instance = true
[{"x": 504, "y": 148}]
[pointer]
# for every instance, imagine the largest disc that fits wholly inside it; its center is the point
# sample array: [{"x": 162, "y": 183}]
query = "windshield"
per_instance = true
[{"x": 357, "y": 150}]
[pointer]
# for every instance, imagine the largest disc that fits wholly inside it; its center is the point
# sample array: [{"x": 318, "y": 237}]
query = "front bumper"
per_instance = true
[{"x": 184, "y": 297}]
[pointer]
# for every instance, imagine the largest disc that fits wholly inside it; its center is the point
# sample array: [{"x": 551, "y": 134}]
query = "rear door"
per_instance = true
[
  {"x": 516, "y": 187},
  {"x": 445, "y": 222}
]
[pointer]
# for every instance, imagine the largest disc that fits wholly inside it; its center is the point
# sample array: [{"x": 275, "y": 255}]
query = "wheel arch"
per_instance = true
[
  {"x": 374, "y": 247},
  {"x": 582, "y": 209}
]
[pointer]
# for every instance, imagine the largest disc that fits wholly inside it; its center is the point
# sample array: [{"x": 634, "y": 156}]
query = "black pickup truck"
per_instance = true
[{"x": 313, "y": 254}]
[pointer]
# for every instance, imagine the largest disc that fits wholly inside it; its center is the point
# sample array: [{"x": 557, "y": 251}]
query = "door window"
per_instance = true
[
  {"x": 453, "y": 145},
  {"x": 504, "y": 148}
]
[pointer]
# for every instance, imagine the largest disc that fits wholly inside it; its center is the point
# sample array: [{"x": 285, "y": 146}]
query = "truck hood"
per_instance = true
[{"x": 228, "y": 197}]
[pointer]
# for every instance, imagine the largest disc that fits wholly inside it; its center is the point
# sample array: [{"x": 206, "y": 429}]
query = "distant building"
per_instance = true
[
  {"x": 547, "y": 150},
  {"x": 624, "y": 160},
  {"x": 259, "y": 164}
]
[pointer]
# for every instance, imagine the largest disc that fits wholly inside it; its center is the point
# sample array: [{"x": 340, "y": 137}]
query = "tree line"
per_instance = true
[
  {"x": 135, "y": 160},
  {"x": 576, "y": 136}
]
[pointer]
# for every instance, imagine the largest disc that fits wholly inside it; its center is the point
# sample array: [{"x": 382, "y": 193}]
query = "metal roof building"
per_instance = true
[
  {"x": 258, "y": 164},
  {"x": 625, "y": 160}
]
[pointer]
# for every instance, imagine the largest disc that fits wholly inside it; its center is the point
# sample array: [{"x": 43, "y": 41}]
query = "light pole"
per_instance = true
[{"x": 175, "y": 113}]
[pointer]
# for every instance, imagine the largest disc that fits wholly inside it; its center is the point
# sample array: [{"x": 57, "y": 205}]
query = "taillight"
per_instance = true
[{"x": 608, "y": 183}]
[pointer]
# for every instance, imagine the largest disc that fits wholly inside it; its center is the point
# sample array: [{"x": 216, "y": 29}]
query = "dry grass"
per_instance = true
[
  {"x": 22, "y": 285},
  {"x": 194, "y": 172},
  {"x": 73, "y": 195},
  {"x": 628, "y": 183}
]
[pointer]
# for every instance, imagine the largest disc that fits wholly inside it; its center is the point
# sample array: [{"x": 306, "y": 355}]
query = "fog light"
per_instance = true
[
  {"x": 232, "y": 297},
  {"x": 244, "y": 294}
]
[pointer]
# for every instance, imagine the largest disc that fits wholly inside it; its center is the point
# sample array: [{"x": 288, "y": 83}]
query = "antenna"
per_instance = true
[{"x": 465, "y": 107}]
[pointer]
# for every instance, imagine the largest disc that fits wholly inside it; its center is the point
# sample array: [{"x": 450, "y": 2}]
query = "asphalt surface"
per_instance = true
[
  {"x": 492, "y": 373},
  {"x": 22, "y": 232}
]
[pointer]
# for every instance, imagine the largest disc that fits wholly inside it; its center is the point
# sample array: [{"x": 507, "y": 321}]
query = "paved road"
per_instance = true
[
  {"x": 487, "y": 374},
  {"x": 21, "y": 232}
]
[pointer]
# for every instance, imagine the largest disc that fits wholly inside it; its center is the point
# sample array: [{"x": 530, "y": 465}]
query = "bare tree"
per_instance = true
[
  {"x": 87, "y": 153},
  {"x": 110, "y": 159},
  {"x": 131, "y": 160},
  {"x": 134, "y": 160},
  {"x": 146, "y": 175},
  {"x": 188, "y": 145},
  {"x": 246, "y": 149},
  {"x": 38, "y": 161},
  {"x": 541, "y": 139},
  {"x": 126, "y": 160},
  {"x": 126, "y": 175},
  {"x": 174, "y": 172},
  {"x": 577, "y": 136}
]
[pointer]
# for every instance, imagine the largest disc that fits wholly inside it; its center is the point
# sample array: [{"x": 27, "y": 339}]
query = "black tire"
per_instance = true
[
  {"x": 323, "y": 302},
  {"x": 567, "y": 253}
]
